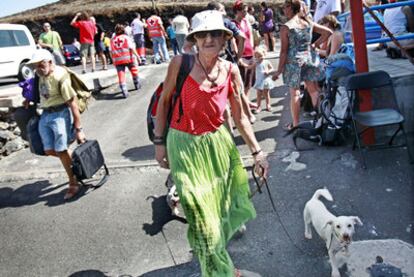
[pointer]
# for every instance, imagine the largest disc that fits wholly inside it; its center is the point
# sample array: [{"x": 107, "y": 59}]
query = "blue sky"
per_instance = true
[{"x": 15, "y": 6}]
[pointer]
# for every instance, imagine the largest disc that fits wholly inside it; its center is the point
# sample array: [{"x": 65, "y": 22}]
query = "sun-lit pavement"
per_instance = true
[{"x": 125, "y": 227}]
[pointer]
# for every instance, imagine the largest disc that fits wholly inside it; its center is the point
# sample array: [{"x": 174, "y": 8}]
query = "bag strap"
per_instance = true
[
  {"x": 36, "y": 91},
  {"x": 186, "y": 66}
]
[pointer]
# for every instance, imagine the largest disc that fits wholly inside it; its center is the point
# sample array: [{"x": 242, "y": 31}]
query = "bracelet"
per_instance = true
[
  {"x": 158, "y": 140},
  {"x": 256, "y": 153},
  {"x": 79, "y": 129}
]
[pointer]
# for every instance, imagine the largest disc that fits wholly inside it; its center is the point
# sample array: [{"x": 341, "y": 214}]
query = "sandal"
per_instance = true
[
  {"x": 245, "y": 273},
  {"x": 287, "y": 127},
  {"x": 73, "y": 190},
  {"x": 269, "y": 108}
]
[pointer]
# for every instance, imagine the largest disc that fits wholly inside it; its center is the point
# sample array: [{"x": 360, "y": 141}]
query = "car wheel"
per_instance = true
[{"x": 25, "y": 72}]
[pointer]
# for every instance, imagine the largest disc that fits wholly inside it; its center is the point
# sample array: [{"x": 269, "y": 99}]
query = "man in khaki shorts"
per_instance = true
[{"x": 87, "y": 31}]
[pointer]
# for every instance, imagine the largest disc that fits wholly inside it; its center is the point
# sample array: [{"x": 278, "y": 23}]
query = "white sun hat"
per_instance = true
[
  {"x": 208, "y": 21},
  {"x": 40, "y": 55}
]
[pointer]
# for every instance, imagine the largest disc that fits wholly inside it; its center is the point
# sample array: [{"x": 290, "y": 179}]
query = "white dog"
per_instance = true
[
  {"x": 335, "y": 231},
  {"x": 172, "y": 196}
]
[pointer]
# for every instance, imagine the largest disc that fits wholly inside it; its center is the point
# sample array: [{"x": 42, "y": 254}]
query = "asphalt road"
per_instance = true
[{"x": 125, "y": 228}]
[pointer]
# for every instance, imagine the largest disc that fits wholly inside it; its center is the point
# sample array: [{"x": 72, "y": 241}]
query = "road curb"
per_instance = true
[{"x": 54, "y": 172}]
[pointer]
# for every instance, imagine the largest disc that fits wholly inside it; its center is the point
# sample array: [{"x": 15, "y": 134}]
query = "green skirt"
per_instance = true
[{"x": 214, "y": 193}]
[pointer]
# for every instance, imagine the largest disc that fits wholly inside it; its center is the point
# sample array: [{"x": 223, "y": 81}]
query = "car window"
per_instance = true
[
  {"x": 6, "y": 40},
  {"x": 21, "y": 38}
]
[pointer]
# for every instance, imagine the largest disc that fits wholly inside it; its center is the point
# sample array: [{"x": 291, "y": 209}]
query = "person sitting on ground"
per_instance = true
[
  {"x": 205, "y": 164},
  {"x": 296, "y": 59},
  {"x": 60, "y": 122},
  {"x": 335, "y": 41},
  {"x": 87, "y": 31},
  {"x": 76, "y": 43},
  {"x": 51, "y": 40},
  {"x": 122, "y": 50},
  {"x": 398, "y": 21}
]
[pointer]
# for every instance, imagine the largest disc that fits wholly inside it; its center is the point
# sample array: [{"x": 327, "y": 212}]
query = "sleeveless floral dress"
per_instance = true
[{"x": 302, "y": 63}]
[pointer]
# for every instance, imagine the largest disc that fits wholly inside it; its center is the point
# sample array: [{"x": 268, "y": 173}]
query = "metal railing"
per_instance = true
[{"x": 377, "y": 28}]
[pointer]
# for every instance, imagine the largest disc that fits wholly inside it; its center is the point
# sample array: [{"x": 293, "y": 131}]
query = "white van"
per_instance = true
[{"x": 16, "y": 48}]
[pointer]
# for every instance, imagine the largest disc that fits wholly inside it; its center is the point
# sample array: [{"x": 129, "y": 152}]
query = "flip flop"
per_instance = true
[{"x": 287, "y": 127}]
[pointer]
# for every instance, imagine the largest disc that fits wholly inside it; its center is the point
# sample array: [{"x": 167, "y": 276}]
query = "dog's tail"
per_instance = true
[{"x": 322, "y": 192}]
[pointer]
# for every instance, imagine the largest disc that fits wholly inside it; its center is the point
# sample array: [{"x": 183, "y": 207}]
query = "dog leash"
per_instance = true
[
  {"x": 259, "y": 189},
  {"x": 259, "y": 186}
]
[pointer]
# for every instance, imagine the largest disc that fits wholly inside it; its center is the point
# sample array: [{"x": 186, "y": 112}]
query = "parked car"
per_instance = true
[
  {"x": 72, "y": 54},
  {"x": 372, "y": 29},
  {"x": 16, "y": 49}
]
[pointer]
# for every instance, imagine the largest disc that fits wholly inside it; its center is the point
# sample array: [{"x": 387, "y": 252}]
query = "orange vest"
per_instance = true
[
  {"x": 154, "y": 27},
  {"x": 120, "y": 48}
]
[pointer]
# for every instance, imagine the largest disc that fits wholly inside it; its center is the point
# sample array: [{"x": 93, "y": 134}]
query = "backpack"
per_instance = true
[
  {"x": 327, "y": 128},
  {"x": 185, "y": 69},
  {"x": 83, "y": 94}
]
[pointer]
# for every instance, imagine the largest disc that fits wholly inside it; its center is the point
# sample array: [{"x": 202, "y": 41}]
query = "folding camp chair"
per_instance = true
[{"x": 385, "y": 111}]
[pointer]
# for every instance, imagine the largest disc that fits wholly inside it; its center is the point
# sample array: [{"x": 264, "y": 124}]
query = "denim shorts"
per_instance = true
[{"x": 56, "y": 130}]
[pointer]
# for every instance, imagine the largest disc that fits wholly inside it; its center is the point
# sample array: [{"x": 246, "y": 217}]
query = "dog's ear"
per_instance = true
[
  {"x": 357, "y": 220},
  {"x": 330, "y": 222}
]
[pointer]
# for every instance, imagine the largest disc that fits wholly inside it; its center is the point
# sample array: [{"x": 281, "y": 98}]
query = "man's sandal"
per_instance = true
[{"x": 73, "y": 190}]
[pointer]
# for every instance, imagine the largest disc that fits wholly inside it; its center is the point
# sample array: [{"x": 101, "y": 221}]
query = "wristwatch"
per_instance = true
[{"x": 79, "y": 129}]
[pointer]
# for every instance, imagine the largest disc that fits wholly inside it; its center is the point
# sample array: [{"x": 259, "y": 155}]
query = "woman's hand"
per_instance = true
[
  {"x": 276, "y": 75},
  {"x": 261, "y": 165},
  {"x": 161, "y": 156}
]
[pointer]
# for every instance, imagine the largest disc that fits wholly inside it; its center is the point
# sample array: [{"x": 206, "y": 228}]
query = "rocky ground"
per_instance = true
[{"x": 10, "y": 140}]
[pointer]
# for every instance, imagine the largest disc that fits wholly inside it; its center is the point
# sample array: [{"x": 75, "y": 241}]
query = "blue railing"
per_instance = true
[{"x": 372, "y": 29}]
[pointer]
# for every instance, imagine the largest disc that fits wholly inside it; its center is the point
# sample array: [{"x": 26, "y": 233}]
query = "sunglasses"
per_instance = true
[{"x": 213, "y": 34}]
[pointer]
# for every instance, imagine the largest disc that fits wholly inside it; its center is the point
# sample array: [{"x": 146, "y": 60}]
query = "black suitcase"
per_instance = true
[{"x": 87, "y": 159}]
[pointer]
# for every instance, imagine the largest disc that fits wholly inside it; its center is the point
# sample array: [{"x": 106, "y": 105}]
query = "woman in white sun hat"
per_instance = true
[{"x": 204, "y": 161}]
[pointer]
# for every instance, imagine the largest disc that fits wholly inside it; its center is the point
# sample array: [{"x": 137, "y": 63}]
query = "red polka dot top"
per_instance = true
[{"x": 202, "y": 109}]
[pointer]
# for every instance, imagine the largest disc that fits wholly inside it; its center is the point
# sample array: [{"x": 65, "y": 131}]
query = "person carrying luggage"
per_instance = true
[
  {"x": 60, "y": 122},
  {"x": 122, "y": 50}
]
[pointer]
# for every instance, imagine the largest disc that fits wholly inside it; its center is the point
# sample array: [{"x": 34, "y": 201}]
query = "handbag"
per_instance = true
[{"x": 87, "y": 159}]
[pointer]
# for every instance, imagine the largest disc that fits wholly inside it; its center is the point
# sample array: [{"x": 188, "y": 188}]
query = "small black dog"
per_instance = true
[{"x": 307, "y": 130}]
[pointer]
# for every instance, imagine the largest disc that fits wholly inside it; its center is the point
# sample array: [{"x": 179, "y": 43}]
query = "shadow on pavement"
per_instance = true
[
  {"x": 109, "y": 96},
  {"x": 161, "y": 215},
  {"x": 31, "y": 194},
  {"x": 190, "y": 269},
  {"x": 141, "y": 153},
  {"x": 91, "y": 273}
]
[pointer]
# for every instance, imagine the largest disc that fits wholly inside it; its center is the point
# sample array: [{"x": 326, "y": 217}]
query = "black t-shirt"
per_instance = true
[{"x": 99, "y": 31}]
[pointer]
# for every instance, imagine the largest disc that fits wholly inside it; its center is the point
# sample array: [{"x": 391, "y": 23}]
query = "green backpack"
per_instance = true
[{"x": 83, "y": 94}]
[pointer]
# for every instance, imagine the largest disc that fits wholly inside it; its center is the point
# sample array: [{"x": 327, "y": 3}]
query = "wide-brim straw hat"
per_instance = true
[{"x": 208, "y": 21}]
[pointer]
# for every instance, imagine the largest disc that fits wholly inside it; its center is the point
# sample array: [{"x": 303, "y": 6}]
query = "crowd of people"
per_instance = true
[{"x": 227, "y": 55}]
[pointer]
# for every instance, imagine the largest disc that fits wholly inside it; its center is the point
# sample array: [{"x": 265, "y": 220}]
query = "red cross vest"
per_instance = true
[
  {"x": 120, "y": 48},
  {"x": 154, "y": 27}
]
